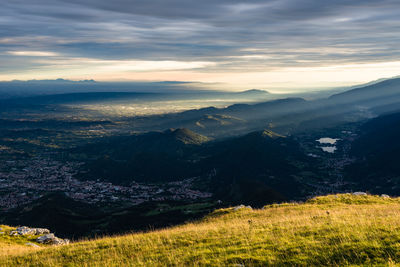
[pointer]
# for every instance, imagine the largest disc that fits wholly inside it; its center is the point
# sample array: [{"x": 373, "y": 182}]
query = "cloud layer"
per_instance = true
[{"x": 128, "y": 37}]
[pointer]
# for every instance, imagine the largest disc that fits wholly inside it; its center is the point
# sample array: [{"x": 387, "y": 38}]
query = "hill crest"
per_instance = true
[
  {"x": 346, "y": 229},
  {"x": 186, "y": 136}
]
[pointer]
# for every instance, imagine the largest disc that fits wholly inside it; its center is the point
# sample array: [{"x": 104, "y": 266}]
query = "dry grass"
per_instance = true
[
  {"x": 333, "y": 230},
  {"x": 14, "y": 246},
  {"x": 11, "y": 250}
]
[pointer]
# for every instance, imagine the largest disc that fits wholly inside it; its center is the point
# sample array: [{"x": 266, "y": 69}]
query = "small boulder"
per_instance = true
[
  {"x": 32, "y": 245},
  {"x": 41, "y": 231},
  {"x": 59, "y": 241},
  {"x": 238, "y": 207},
  {"x": 241, "y": 207},
  {"x": 13, "y": 233},
  {"x": 46, "y": 239},
  {"x": 385, "y": 196},
  {"x": 51, "y": 239},
  {"x": 359, "y": 193}
]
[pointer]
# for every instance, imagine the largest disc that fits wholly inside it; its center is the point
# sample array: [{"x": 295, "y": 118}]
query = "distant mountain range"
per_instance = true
[
  {"x": 19, "y": 88},
  {"x": 254, "y": 92}
]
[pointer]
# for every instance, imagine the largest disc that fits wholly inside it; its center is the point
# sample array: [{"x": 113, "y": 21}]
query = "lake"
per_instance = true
[
  {"x": 329, "y": 149},
  {"x": 328, "y": 140}
]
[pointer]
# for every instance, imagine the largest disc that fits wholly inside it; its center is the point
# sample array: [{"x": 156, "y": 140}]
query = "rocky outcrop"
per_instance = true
[
  {"x": 51, "y": 239},
  {"x": 45, "y": 236},
  {"x": 23, "y": 230}
]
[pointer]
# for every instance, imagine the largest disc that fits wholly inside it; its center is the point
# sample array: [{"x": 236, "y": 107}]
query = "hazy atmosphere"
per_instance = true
[
  {"x": 275, "y": 45},
  {"x": 199, "y": 133}
]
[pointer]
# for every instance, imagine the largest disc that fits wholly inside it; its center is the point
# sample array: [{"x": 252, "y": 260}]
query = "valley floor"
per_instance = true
[{"x": 332, "y": 230}]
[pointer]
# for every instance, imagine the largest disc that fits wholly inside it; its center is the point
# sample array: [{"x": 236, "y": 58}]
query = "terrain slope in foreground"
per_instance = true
[{"x": 331, "y": 230}]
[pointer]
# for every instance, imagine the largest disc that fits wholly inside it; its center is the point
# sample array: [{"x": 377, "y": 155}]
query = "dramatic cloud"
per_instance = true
[{"x": 205, "y": 40}]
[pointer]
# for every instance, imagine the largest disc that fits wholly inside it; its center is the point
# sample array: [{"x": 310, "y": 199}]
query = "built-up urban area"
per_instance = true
[{"x": 25, "y": 180}]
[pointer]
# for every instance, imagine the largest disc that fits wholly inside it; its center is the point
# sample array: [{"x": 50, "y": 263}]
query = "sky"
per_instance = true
[{"x": 278, "y": 45}]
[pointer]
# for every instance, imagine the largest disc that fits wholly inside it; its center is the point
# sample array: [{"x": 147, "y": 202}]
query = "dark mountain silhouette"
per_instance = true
[
  {"x": 255, "y": 168},
  {"x": 255, "y": 92},
  {"x": 135, "y": 157},
  {"x": 377, "y": 151},
  {"x": 264, "y": 158},
  {"x": 378, "y": 98},
  {"x": 377, "y": 90}
]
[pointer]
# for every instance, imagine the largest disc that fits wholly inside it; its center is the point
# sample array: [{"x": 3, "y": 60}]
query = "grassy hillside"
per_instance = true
[
  {"x": 11, "y": 246},
  {"x": 331, "y": 230}
]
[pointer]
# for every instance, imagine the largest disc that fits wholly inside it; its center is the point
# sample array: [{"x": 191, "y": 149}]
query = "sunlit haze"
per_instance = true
[{"x": 280, "y": 46}]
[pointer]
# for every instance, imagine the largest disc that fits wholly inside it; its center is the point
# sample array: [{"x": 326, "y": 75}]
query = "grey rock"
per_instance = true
[
  {"x": 238, "y": 207},
  {"x": 46, "y": 239},
  {"x": 51, "y": 239},
  {"x": 359, "y": 193},
  {"x": 45, "y": 236},
  {"x": 60, "y": 241},
  {"x": 41, "y": 231},
  {"x": 32, "y": 245},
  {"x": 24, "y": 230},
  {"x": 385, "y": 196},
  {"x": 241, "y": 207},
  {"x": 12, "y": 233}
]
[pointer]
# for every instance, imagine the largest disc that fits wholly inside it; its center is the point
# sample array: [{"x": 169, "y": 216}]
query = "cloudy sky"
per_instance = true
[{"x": 270, "y": 44}]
